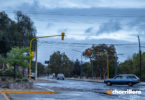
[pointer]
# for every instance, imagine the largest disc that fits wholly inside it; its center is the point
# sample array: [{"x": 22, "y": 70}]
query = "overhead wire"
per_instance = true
[{"x": 70, "y": 14}]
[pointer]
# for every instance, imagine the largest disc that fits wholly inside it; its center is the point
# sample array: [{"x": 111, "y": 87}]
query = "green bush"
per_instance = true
[
  {"x": 1, "y": 72},
  {"x": 19, "y": 76},
  {"x": 6, "y": 72}
]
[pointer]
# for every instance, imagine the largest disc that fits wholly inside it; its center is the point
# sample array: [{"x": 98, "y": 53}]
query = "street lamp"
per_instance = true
[{"x": 32, "y": 54}]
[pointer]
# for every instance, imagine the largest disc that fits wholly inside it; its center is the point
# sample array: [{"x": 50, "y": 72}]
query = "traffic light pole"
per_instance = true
[
  {"x": 62, "y": 35},
  {"x": 36, "y": 63}
]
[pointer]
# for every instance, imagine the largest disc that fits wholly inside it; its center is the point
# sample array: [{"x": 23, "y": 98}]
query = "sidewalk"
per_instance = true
[{"x": 87, "y": 80}]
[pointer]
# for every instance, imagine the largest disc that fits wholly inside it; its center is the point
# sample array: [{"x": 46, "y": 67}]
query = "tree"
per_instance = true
[
  {"x": 99, "y": 61},
  {"x": 5, "y": 24},
  {"x": 126, "y": 67},
  {"x": 77, "y": 68},
  {"x": 86, "y": 69},
  {"x": 25, "y": 28},
  {"x": 131, "y": 66},
  {"x": 41, "y": 68},
  {"x": 60, "y": 63},
  {"x": 3, "y": 62},
  {"x": 15, "y": 33},
  {"x": 17, "y": 58}
]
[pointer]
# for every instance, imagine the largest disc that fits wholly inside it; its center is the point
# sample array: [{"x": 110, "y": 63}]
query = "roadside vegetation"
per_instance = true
[
  {"x": 131, "y": 66},
  {"x": 15, "y": 36}
]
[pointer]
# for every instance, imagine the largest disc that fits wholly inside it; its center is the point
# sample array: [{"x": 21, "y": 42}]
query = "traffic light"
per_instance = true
[
  {"x": 89, "y": 51},
  {"x": 62, "y": 36},
  {"x": 31, "y": 54}
]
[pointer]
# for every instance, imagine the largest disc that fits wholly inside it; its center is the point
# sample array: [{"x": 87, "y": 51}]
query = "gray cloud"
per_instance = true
[
  {"x": 49, "y": 25},
  {"x": 89, "y": 30},
  {"x": 62, "y": 30},
  {"x": 57, "y": 4},
  {"x": 67, "y": 11},
  {"x": 138, "y": 24},
  {"x": 110, "y": 26}
]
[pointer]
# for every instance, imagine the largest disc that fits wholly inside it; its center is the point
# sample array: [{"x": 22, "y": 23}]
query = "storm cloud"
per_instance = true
[
  {"x": 110, "y": 26},
  {"x": 91, "y": 21}
]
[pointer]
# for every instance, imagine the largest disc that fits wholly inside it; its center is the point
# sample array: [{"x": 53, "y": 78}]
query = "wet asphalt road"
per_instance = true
[
  {"x": 80, "y": 90},
  {"x": 1, "y": 97}
]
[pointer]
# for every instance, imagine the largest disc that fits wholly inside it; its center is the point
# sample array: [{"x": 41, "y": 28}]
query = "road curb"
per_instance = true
[
  {"x": 5, "y": 93},
  {"x": 24, "y": 91},
  {"x": 99, "y": 81}
]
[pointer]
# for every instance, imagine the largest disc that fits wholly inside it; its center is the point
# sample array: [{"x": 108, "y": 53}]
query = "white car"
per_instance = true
[
  {"x": 33, "y": 75},
  {"x": 60, "y": 76}
]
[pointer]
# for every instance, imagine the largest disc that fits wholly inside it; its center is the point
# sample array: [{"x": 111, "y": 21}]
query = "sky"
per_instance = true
[{"x": 85, "y": 22}]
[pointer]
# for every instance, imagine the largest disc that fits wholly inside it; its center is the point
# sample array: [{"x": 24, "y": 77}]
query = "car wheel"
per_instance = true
[
  {"x": 130, "y": 84},
  {"x": 108, "y": 83}
]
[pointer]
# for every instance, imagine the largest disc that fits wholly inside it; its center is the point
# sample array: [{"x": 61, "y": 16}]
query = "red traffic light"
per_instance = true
[{"x": 89, "y": 51}]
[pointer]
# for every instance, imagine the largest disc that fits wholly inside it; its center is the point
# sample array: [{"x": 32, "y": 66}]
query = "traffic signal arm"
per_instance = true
[{"x": 32, "y": 53}]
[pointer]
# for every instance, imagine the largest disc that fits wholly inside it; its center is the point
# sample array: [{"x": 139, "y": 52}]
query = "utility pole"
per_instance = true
[
  {"x": 36, "y": 63},
  {"x": 139, "y": 57}
]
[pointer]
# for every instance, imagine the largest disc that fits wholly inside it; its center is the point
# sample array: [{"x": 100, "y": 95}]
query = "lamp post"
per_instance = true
[{"x": 31, "y": 53}]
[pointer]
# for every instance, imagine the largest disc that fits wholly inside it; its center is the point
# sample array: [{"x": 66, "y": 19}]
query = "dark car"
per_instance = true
[{"x": 129, "y": 79}]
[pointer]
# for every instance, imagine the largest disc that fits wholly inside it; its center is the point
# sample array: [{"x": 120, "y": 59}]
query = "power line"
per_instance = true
[
  {"x": 86, "y": 44},
  {"x": 79, "y": 44},
  {"x": 70, "y": 14}
]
